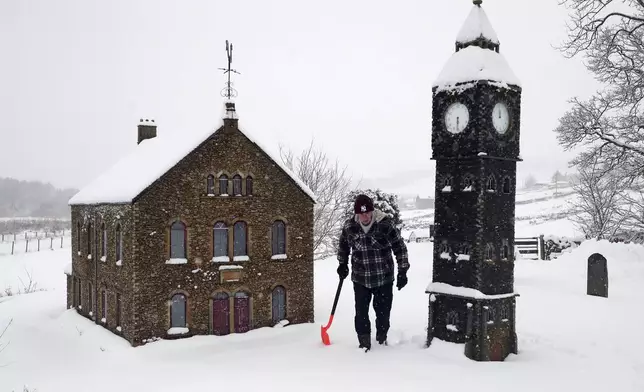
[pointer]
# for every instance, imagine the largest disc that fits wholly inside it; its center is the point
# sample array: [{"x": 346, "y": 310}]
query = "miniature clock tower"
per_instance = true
[{"x": 475, "y": 143}]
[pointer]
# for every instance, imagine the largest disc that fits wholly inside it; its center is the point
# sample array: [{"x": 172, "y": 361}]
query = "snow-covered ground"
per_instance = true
[{"x": 568, "y": 341}]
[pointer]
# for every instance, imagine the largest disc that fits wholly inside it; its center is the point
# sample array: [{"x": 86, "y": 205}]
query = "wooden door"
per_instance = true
[
  {"x": 221, "y": 314},
  {"x": 242, "y": 312}
]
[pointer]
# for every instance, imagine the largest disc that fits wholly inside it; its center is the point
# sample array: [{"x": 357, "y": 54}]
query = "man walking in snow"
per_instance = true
[{"x": 371, "y": 237}]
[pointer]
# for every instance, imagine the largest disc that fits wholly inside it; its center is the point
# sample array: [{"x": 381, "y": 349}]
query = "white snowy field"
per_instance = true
[
  {"x": 539, "y": 210},
  {"x": 567, "y": 340}
]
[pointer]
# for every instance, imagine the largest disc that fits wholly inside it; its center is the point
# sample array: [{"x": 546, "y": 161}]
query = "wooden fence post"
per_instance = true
[
  {"x": 26, "y": 246},
  {"x": 51, "y": 243},
  {"x": 38, "y": 244},
  {"x": 61, "y": 242},
  {"x": 13, "y": 243}
]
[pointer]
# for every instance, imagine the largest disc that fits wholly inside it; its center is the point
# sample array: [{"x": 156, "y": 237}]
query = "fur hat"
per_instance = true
[{"x": 363, "y": 204}]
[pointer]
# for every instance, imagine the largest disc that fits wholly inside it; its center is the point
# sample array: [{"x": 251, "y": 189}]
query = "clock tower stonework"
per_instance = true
[{"x": 475, "y": 143}]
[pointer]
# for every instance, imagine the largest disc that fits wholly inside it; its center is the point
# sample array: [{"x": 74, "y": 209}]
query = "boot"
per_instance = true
[
  {"x": 365, "y": 342},
  {"x": 382, "y": 339}
]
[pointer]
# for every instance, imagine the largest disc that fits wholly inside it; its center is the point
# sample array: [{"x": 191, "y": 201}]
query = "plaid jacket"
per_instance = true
[{"x": 372, "y": 264}]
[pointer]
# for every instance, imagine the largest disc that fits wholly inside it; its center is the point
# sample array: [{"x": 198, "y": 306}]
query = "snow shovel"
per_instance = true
[{"x": 325, "y": 336}]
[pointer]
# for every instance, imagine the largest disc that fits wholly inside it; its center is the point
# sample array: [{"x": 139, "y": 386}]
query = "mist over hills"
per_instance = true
[{"x": 33, "y": 199}]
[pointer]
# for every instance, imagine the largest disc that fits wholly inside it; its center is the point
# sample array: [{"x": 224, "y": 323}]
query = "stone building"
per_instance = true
[
  {"x": 193, "y": 235},
  {"x": 475, "y": 142}
]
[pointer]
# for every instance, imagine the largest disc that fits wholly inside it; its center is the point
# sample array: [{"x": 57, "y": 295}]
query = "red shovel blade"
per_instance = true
[{"x": 323, "y": 332}]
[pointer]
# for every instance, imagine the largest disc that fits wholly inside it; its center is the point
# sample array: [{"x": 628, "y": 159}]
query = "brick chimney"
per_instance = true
[{"x": 147, "y": 129}]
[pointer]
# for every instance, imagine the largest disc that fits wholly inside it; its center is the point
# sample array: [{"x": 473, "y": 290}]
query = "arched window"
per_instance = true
[
  {"x": 237, "y": 185},
  {"x": 178, "y": 240},
  {"x": 506, "y": 251},
  {"x": 279, "y": 304},
  {"x": 178, "y": 311},
  {"x": 103, "y": 241},
  {"x": 447, "y": 181},
  {"x": 249, "y": 185},
  {"x": 89, "y": 239},
  {"x": 506, "y": 185},
  {"x": 467, "y": 181},
  {"x": 278, "y": 233},
  {"x": 240, "y": 239},
  {"x": 465, "y": 250},
  {"x": 220, "y": 240},
  {"x": 210, "y": 185},
  {"x": 489, "y": 252},
  {"x": 223, "y": 184},
  {"x": 78, "y": 236},
  {"x": 119, "y": 243},
  {"x": 491, "y": 184}
]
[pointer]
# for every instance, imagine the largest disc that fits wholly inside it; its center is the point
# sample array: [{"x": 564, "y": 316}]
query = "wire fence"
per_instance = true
[{"x": 33, "y": 241}]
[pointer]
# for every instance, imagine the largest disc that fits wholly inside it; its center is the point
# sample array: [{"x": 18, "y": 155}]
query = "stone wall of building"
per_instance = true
[
  {"x": 103, "y": 273},
  {"x": 181, "y": 195}
]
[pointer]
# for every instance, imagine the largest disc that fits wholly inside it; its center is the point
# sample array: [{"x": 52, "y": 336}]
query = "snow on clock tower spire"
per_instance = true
[{"x": 476, "y": 102}]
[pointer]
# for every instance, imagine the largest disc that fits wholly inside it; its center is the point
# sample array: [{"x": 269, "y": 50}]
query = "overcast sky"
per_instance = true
[{"x": 76, "y": 76}]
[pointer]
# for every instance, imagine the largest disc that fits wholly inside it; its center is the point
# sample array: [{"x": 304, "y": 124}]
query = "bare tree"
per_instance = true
[
  {"x": 601, "y": 211},
  {"x": 330, "y": 183},
  {"x": 609, "y": 126},
  {"x": 530, "y": 181}
]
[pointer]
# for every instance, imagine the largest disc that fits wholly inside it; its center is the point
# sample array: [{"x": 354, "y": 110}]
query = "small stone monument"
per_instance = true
[{"x": 597, "y": 276}]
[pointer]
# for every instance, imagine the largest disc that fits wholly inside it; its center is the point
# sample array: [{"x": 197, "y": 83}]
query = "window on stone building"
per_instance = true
[
  {"x": 504, "y": 313},
  {"x": 90, "y": 297},
  {"x": 279, "y": 304},
  {"x": 451, "y": 318},
  {"x": 491, "y": 314},
  {"x": 119, "y": 242},
  {"x": 79, "y": 287},
  {"x": 178, "y": 240},
  {"x": 506, "y": 252},
  {"x": 240, "y": 235},
  {"x": 104, "y": 306},
  {"x": 237, "y": 185},
  {"x": 210, "y": 185},
  {"x": 465, "y": 250},
  {"x": 506, "y": 185},
  {"x": 249, "y": 185},
  {"x": 89, "y": 239},
  {"x": 447, "y": 181},
  {"x": 223, "y": 184},
  {"x": 278, "y": 234},
  {"x": 489, "y": 251},
  {"x": 220, "y": 240},
  {"x": 178, "y": 311},
  {"x": 118, "y": 309},
  {"x": 468, "y": 182},
  {"x": 491, "y": 184},
  {"x": 103, "y": 240},
  {"x": 78, "y": 237},
  {"x": 444, "y": 248}
]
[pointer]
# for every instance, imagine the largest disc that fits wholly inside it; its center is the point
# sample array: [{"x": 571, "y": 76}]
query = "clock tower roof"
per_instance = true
[
  {"x": 477, "y": 27},
  {"x": 477, "y": 56}
]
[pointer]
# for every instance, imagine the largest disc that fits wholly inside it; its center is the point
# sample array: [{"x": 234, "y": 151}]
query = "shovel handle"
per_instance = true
[{"x": 337, "y": 296}]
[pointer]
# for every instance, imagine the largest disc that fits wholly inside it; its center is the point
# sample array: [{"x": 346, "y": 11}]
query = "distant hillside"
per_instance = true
[{"x": 33, "y": 199}]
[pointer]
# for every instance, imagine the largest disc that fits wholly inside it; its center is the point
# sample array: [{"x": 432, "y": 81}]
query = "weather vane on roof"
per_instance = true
[{"x": 229, "y": 91}]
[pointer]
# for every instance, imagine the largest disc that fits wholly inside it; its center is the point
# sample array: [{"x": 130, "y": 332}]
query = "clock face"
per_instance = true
[
  {"x": 456, "y": 117},
  {"x": 500, "y": 118}
]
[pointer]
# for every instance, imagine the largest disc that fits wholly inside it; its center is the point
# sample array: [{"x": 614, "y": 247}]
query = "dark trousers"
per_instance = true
[{"x": 382, "y": 299}]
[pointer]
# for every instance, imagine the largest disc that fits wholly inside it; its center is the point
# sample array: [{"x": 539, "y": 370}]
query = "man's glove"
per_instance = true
[
  {"x": 343, "y": 271},
  {"x": 402, "y": 280}
]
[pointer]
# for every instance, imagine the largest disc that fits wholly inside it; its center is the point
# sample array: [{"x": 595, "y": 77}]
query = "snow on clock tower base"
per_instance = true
[{"x": 476, "y": 102}]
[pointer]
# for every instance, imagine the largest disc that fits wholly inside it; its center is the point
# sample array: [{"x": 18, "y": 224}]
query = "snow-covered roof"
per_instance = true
[
  {"x": 149, "y": 161},
  {"x": 477, "y": 25},
  {"x": 474, "y": 63}
]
